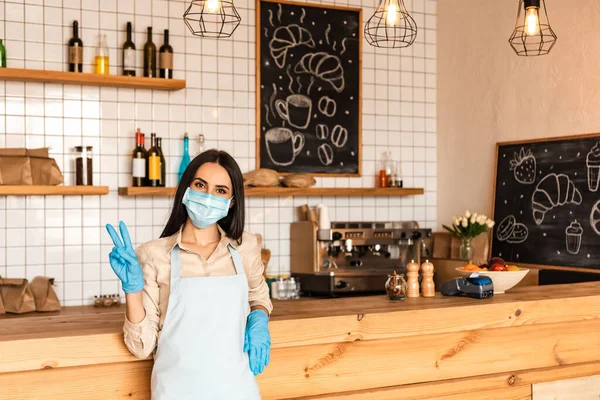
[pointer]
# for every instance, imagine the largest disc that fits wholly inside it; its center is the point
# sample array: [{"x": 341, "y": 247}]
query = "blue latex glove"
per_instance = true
[
  {"x": 257, "y": 341},
  {"x": 124, "y": 261}
]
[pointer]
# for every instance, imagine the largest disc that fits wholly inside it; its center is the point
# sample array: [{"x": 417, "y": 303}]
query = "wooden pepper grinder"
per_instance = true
[
  {"x": 412, "y": 273},
  {"x": 427, "y": 286}
]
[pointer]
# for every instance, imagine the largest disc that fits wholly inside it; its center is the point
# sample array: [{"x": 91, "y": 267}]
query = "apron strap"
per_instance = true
[
  {"x": 237, "y": 260},
  {"x": 175, "y": 264}
]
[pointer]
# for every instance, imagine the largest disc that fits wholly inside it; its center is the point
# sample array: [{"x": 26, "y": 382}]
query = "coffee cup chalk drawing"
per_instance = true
[
  {"x": 283, "y": 145},
  {"x": 308, "y": 73},
  {"x": 296, "y": 110}
]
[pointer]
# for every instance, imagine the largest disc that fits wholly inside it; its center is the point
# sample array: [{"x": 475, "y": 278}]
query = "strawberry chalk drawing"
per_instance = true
[{"x": 523, "y": 165}]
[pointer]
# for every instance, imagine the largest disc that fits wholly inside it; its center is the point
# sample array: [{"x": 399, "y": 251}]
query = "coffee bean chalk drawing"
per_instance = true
[
  {"x": 327, "y": 106},
  {"x": 325, "y": 154},
  {"x": 339, "y": 136}
]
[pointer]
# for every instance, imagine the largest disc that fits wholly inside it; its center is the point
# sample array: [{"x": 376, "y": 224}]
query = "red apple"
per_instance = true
[
  {"x": 498, "y": 267},
  {"x": 496, "y": 260}
]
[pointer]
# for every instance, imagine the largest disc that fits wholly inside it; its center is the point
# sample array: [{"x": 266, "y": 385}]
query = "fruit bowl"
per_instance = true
[{"x": 503, "y": 280}]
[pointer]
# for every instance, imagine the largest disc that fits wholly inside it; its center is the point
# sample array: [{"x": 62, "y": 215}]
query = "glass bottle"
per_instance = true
[
  {"x": 153, "y": 163},
  {"x": 83, "y": 165},
  {"x": 163, "y": 175},
  {"x": 185, "y": 158},
  {"x": 200, "y": 144},
  {"x": 2, "y": 55},
  {"x": 101, "y": 64},
  {"x": 75, "y": 50},
  {"x": 129, "y": 54},
  {"x": 396, "y": 287},
  {"x": 139, "y": 160},
  {"x": 166, "y": 58},
  {"x": 150, "y": 56}
]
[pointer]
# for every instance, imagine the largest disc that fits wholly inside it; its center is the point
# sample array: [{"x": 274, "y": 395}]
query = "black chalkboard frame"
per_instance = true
[
  {"x": 499, "y": 146},
  {"x": 259, "y": 28}
]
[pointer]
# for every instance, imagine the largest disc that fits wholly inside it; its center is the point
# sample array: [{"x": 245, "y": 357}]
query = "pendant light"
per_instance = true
[
  {"x": 391, "y": 25},
  {"x": 533, "y": 35},
  {"x": 212, "y": 18}
]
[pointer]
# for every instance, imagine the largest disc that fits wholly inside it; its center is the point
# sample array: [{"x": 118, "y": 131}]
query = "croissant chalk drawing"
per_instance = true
[
  {"x": 287, "y": 37},
  {"x": 323, "y": 66},
  {"x": 551, "y": 192}
]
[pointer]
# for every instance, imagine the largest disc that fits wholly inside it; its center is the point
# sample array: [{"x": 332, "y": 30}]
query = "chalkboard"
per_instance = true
[
  {"x": 308, "y": 88},
  {"x": 547, "y": 202}
]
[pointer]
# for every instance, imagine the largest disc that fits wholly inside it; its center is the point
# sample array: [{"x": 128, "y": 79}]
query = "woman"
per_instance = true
[{"x": 188, "y": 293}]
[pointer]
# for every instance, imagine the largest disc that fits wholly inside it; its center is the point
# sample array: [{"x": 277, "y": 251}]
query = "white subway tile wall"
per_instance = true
[{"x": 65, "y": 238}]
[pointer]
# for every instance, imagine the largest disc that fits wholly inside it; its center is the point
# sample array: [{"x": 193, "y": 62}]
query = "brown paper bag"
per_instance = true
[
  {"x": 43, "y": 294},
  {"x": 41, "y": 170},
  {"x": 13, "y": 151},
  {"x": 15, "y": 170},
  {"x": 41, "y": 153},
  {"x": 17, "y": 296},
  {"x": 45, "y": 171}
]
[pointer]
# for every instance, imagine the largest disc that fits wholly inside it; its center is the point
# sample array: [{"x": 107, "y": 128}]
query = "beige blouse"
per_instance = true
[{"x": 154, "y": 257}]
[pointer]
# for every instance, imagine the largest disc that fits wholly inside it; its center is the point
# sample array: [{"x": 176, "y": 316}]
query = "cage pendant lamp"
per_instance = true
[
  {"x": 533, "y": 35},
  {"x": 212, "y": 18},
  {"x": 391, "y": 25}
]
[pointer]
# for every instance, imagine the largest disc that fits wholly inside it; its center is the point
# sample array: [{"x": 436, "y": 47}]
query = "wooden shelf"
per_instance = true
[
  {"x": 35, "y": 190},
  {"x": 75, "y": 78},
  {"x": 282, "y": 192}
]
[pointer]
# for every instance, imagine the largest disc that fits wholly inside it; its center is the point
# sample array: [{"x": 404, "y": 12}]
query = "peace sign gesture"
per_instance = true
[{"x": 123, "y": 260}]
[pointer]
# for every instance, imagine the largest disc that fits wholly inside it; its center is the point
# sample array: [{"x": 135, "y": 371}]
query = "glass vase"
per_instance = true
[{"x": 466, "y": 250}]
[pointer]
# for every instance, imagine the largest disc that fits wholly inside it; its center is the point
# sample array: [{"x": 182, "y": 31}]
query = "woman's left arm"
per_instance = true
[
  {"x": 258, "y": 291},
  {"x": 257, "y": 340}
]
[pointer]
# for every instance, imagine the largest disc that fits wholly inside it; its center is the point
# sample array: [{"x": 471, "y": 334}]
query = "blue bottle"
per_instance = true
[{"x": 185, "y": 158}]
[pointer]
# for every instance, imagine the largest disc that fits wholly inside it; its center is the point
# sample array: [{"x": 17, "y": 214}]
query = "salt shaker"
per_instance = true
[
  {"x": 413, "y": 279},
  {"x": 427, "y": 286}
]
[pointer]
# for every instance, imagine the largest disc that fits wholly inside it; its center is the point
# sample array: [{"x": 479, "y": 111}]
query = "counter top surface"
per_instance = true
[{"x": 86, "y": 320}]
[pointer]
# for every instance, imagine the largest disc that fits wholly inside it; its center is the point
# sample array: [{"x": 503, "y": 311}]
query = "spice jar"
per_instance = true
[
  {"x": 83, "y": 165},
  {"x": 396, "y": 287}
]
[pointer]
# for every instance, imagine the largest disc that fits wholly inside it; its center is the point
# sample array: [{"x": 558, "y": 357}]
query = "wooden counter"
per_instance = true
[{"x": 356, "y": 348}]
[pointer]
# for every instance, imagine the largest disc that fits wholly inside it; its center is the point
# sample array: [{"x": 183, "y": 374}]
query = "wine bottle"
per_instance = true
[
  {"x": 101, "y": 64},
  {"x": 139, "y": 158},
  {"x": 200, "y": 144},
  {"x": 185, "y": 158},
  {"x": 150, "y": 56},
  {"x": 163, "y": 174},
  {"x": 2, "y": 55},
  {"x": 166, "y": 58},
  {"x": 129, "y": 54},
  {"x": 153, "y": 163},
  {"x": 75, "y": 50}
]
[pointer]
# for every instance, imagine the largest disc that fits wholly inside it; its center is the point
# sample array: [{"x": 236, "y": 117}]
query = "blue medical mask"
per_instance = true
[{"x": 205, "y": 209}]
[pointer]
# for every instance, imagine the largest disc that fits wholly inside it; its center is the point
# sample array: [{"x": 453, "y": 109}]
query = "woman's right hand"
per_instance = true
[{"x": 124, "y": 261}]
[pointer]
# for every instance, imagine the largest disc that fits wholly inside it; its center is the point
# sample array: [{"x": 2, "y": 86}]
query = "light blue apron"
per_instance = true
[{"x": 200, "y": 349}]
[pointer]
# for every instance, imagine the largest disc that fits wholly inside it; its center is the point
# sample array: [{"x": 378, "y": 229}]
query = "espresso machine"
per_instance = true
[{"x": 354, "y": 257}]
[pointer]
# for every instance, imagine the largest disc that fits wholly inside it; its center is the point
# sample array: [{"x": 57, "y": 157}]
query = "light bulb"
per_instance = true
[
  {"x": 212, "y": 6},
  {"x": 391, "y": 17},
  {"x": 532, "y": 21}
]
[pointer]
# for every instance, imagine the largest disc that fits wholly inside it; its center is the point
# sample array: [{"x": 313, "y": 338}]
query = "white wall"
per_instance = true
[{"x": 64, "y": 237}]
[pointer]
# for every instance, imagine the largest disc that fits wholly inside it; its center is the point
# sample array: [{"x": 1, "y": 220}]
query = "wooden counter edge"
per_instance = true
[{"x": 69, "y": 351}]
